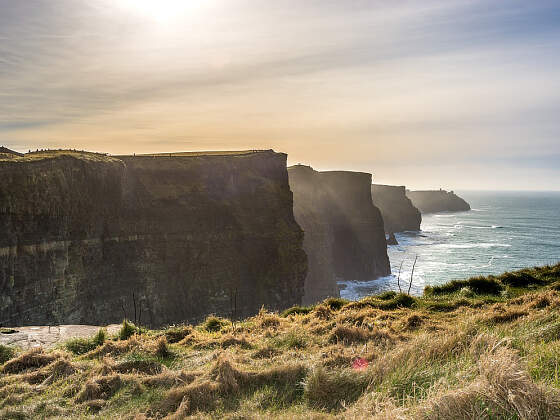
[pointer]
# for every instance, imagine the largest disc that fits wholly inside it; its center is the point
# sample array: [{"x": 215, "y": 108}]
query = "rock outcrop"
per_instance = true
[
  {"x": 86, "y": 238},
  {"x": 398, "y": 213},
  {"x": 344, "y": 237},
  {"x": 434, "y": 201}
]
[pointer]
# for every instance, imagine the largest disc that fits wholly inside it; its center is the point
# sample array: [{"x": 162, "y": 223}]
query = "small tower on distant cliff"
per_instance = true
[{"x": 10, "y": 153}]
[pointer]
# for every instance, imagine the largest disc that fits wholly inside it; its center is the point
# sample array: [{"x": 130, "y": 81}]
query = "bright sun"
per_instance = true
[{"x": 161, "y": 10}]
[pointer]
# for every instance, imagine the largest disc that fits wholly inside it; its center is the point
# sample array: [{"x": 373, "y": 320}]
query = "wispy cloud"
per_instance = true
[{"x": 359, "y": 85}]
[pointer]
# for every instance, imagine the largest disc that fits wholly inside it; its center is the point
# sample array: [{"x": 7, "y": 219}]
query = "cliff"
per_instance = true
[
  {"x": 437, "y": 201},
  {"x": 86, "y": 238},
  {"x": 398, "y": 213},
  {"x": 344, "y": 237},
  {"x": 311, "y": 211}
]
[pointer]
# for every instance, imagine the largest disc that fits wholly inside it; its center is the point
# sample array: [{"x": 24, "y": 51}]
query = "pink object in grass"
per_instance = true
[{"x": 360, "y": 364}]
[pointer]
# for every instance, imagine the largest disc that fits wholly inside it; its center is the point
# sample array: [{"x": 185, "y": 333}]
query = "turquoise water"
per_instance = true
[{"x": 503, "y": 231}]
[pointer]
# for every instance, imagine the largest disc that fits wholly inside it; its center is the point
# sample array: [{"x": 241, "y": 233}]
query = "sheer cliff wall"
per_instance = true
[
  {"x": 360, "y": 248},
  {"x": 343, "y": 231},
  {"x": 186, "y": 235},
  {"x": 398, "y": 213}
]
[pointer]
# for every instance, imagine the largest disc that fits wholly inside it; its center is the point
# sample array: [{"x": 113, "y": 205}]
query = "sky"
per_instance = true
[{"x": 434, "y": 93}]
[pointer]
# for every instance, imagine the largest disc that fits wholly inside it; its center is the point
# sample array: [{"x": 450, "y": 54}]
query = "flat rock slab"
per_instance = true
[{"x": 46, "y": 337}]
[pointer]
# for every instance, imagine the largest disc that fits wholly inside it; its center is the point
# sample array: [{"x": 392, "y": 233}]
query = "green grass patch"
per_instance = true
[
  {"x": 297, "y": 310},
  {"x": 83, "y": 345},
  {"x": 479, "y": 285},
  {"x": 6, "y": 353},
  {"x": 214, "y": 324},
  {"x": 336, "y": 303}
]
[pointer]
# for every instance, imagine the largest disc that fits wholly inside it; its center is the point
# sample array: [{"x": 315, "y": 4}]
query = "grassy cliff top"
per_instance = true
[
  {"x": 203, "y": 153},
  {"x": 103, "y": 157},
  {"x": 53, "y": 154},
  {"x": 486, "y": 347}
]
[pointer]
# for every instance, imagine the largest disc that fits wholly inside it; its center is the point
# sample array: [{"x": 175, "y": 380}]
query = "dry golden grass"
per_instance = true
[{"x": 444, "y": 357}]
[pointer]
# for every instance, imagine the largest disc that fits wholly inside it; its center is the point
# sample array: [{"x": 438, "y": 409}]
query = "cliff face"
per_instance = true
[
  {"x": 360, "y": 248},
  {"x": 187, "y": 235},
  {"x": 437, "y": 201},
  {"x": 344, "y": 235},
  {"x": 311, "y": 211},
  {"x": 396, "y": 208}
]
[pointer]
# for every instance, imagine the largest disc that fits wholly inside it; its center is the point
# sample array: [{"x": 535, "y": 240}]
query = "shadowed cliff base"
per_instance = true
[
  {"x": 89, "y": 238},
  {"x": 398, "y": 212},
  {"x": 435, "y": 201},
  {"x": 344, "y": 237}
]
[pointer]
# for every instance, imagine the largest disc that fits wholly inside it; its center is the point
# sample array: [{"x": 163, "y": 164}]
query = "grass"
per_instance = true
[
  {"x": 6, "y": 353},
  {"x": 83, "y": 345},
  {"x": 486, "y": 347}
]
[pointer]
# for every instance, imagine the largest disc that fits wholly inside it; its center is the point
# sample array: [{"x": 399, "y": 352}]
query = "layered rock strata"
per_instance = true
[{"x": 87, "y": 238}]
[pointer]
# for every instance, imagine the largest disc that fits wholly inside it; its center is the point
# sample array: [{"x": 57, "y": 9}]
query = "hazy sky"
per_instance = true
[{"x": 457, "y": 94}]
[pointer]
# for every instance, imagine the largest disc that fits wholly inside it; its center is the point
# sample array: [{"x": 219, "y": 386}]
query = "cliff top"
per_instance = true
[
  {"x": 52, "y": 154},
  {"x": 201, "y": 153},
  {"x": 440, "y": 191},
  {"x": 384, "y": 186},
  {"x": 104, "y": 157}
]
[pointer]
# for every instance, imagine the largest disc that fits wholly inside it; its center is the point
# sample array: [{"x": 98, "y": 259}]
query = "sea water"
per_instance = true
[{"x": 504, "y": 231}]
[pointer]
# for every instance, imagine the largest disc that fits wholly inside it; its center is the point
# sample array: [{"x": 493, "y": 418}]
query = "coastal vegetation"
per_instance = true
[{"x": 485, "y": 347}]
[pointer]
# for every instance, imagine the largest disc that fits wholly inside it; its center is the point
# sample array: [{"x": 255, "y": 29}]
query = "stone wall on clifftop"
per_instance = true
[
  {"x": 398, "y": 213},
  {"x": 187, "y": 235},
  {"x": 344, "y": 237}
]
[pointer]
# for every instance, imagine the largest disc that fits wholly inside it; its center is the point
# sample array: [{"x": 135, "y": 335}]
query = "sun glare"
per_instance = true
[{"x": 161, "y": 10}]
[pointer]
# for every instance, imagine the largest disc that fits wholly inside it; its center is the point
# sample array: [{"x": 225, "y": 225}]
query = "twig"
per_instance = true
[
  {"x": 412, "y": 274},
  {"x": 134, "y": 303},
  {"x": 399, "y": 276}
]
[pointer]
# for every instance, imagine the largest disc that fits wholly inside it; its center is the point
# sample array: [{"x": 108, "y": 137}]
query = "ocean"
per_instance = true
[{"x": 504, "y": 231}]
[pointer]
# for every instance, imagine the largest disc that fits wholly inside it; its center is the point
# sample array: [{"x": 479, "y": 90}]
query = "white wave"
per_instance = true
[{"x": 473, "y": 245}]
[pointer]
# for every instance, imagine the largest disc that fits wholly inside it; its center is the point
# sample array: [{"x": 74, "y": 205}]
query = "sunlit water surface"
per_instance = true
[{"x": 503, "y": 231}]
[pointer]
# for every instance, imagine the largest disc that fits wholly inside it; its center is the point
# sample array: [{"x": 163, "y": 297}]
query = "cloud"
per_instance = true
[{"x": 388, "y": 83}]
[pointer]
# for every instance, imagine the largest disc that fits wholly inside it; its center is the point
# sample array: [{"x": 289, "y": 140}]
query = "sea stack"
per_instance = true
[
  {"x": 435, "y": 201},
  {"x": 88, "y": 238},
  {"x": 343, "y": 231},
  {"x": 399, "y": 214}
]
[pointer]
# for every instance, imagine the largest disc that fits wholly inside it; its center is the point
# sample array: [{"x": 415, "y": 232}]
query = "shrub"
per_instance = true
[
  {"x": 479, "y": 285},
  {"x": 127, "y": 330},
  {"x": 6, "y": 353},
  {"x": 214, "y": 324},
  {"x": 176, "y": 333},
  {"x": 387, "y": 295},
  {"x": 296, "y": 310},
  {"x": 161, "y": 348},
  {"x": 400, "y": 300},
  {"x": 83, "y": 345},
  {"x": 519, "y": 279},
  {"x": 336, "y": 303}
]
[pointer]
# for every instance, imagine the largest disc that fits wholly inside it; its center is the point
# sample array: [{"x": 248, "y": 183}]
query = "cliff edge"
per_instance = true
[
  {"x": 398, "y": 212},
  {"x": 437, "y": 201},
  {"x": 87, "y": 238}
]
